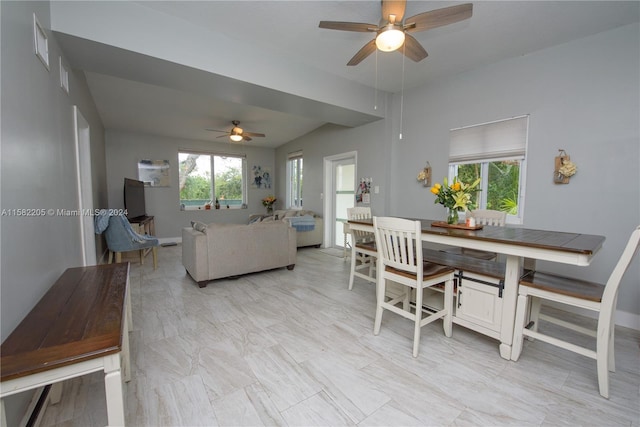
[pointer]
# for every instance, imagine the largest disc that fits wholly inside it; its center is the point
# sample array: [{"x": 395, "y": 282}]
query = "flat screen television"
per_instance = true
[{"x": 134, "y": 198}]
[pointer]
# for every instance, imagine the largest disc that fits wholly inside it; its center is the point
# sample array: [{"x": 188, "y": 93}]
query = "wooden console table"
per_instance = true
[{"x": 79, "y": 326}]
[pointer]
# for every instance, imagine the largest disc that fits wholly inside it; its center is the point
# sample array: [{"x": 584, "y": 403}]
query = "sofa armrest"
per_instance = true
[{"x": 195, "y": 254}]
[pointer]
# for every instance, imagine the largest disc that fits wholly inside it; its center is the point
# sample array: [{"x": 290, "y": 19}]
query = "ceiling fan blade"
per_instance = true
[
  {"x": 223, "y": 136},
  {"x": 413, "y": 49},
  {"x": 253, "y": 134},
  {"x": 438, "y": 18},
  {"x": 245, "y": 137},
  {"x": 393, "y": 7},
  {"x": 348, "y": 26},
  {"x": 216, "y": 130},
  {"x": 366, "y": 50}
]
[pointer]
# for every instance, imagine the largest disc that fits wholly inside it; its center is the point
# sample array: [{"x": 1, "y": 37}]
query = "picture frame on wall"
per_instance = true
[{"x": 154, "y": 173}]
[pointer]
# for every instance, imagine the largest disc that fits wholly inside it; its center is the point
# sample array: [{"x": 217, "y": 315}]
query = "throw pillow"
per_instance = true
[{"x": 199, "y": 226}]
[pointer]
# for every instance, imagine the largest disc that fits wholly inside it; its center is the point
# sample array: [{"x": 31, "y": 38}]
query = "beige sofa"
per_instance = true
[
  {"x": 216, "y": 250},
  {"x": 313, "y": 237}
]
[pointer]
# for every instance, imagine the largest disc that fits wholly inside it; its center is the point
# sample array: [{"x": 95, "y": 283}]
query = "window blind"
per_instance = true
[
  {"x": 495, "y": 140},
  {"x": 294, "y": 155}
]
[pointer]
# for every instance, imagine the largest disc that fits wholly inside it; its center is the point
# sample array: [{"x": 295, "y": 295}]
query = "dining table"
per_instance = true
[{"x": 515, "y": 244}]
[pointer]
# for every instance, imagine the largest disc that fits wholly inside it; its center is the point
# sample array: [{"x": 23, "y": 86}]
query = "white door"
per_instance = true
[
  {"x": 340, "y": 184},
  {"x": 85, "y": 195}
]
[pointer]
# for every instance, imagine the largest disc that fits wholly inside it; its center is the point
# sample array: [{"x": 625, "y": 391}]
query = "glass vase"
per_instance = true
[{"x": 452, "y": 216}]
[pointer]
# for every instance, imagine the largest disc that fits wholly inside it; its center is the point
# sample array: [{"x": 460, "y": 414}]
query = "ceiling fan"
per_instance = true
[
  {"x": 392, "y": 32},
  {"x": 237, "y": 134}
]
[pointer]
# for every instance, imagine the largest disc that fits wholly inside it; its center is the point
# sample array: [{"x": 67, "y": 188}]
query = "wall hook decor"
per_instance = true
[
  {"x": 564, "y": 168},
  {"x": 424, "y": 175}
]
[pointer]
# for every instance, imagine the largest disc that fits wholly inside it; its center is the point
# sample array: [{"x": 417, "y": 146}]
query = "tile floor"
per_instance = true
[{"x": 295, "y": 348}]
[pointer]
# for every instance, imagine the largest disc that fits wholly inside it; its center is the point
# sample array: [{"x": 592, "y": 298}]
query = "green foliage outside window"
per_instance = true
[
  {"x": 196, "y": 188},
  {"x": 502, "y": 185},
  {"x": 195, "y": 181}
]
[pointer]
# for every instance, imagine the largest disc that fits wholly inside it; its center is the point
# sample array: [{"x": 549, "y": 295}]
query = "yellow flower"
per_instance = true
[
  {"x": 456, "y": 186},
  {"x": 436, "y": 188}
]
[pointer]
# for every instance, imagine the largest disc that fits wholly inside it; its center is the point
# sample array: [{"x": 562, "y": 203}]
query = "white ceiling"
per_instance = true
[{"x": 497, "y": 30}]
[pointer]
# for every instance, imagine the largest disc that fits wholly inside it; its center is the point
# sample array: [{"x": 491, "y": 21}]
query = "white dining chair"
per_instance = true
[
  {"x": 482, "y": 217},
  {"x": 540, "y": 287},
  {"x": 400, "y": 260},
  {"x": 363, "y": 248}
]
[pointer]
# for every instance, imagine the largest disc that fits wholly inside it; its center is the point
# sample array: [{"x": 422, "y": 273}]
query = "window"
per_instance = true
[
  {"x": 207, "y": 177},
  {"x": 496, "y": 153},
  {"x": 294, "y": 180}
]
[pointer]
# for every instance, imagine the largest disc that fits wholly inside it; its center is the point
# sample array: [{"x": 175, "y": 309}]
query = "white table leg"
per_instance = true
[
  {"x": 113, "y": 389},
  {"x": 3, "y": 414},
  {"x": 55, "y": 392},
  {"x": 126, "y": 365},
  {"x": 128, "y": 303},
  {"x": 509, "y": 299}
]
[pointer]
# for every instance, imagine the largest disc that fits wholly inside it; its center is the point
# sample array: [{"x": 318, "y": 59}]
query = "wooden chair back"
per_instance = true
[
  {"x": 489, "y": 217},
  {"x": 396, "y": 240},
  {"x": 360, "y": 212}
]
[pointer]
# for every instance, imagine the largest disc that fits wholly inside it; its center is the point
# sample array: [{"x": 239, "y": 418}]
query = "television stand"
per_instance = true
[{"x": 144, "y": 225}]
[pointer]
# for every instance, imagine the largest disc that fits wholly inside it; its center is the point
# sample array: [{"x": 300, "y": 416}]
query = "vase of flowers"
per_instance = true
[
  {"x": 456, "y": 197},
  {"x": 268, "y": 203}
]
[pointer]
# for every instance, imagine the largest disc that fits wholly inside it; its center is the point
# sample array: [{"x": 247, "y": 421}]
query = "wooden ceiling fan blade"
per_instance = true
[
  {"x": 366, "y": 50},
  {"x": 253, "y": 134},
  {"x": 393, "y": 7},
  {"x": 216, "y": 130},
  {"x": 413, "y": 49},
  {"x": 438, "y": 18},
  {"x": 348, "y": 26},
  {"x": 223, "y": 136},
  {"x": 245, "y": 137}
]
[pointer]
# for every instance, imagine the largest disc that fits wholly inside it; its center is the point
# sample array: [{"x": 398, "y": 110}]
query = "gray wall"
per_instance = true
[
  {"x": 125, "y": 149},
  {"x": 585, "y": 103},
  {"x": 38, "y": 168}
]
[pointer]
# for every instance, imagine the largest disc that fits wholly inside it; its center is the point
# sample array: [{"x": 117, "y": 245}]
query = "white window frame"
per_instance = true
[
  {"x": 212, "y": 156},
  {"x": 493, "y": 154},
  {"x": 295, "y": 193}
]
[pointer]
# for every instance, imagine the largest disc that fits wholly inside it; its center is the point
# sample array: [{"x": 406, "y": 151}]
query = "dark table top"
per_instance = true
[
  {"x": 587, "y": 244},
  {"x": 81, "y": 317}
]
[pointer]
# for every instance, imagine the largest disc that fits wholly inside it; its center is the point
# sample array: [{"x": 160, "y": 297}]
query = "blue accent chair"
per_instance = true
[{"x": 121, "y": 237}]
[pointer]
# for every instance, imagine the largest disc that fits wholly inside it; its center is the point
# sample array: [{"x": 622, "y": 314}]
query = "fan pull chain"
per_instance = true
[{"x": 404, "y": 48}]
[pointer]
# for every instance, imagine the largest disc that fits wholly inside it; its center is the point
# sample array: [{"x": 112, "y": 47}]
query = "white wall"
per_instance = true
[
  {"x": 38, "y": 169},
  {"x": 125, "y": 149},
  {"x": 582, "y": 96}
]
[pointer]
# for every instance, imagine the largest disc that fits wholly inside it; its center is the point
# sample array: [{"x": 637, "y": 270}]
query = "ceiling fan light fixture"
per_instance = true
[
  {"x": 390, "y": 39},
  {"x": 235, "y": 137}
]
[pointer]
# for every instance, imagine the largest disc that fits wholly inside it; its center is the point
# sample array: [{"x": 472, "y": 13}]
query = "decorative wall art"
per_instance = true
[
  {"x": 564, "y": 168},
  {"x": 363, "y": 193},
  {"x": 154, "y": 173},
  {"x": 424, "y": 176},
  {"x": 261, "y": 177}
]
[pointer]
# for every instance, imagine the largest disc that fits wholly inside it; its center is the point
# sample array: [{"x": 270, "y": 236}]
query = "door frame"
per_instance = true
[
  {"x": 82, "y": 138},
  {"x": 328, "y": 190}
]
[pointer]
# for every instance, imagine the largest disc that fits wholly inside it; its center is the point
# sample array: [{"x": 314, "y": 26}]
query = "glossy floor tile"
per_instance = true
[{"x": 296, "y": 348}]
